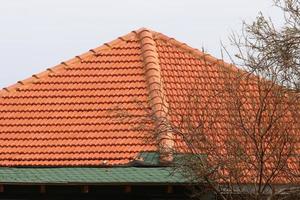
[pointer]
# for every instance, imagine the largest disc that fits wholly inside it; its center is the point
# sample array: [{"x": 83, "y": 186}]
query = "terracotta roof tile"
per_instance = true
[
  {"x": 74, "y": 114},
  {"x": 87, "y": 111}
]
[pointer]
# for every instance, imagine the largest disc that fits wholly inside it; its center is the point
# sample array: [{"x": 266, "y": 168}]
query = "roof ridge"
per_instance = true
[
  {"x": 64, "y": 65},
  {"x": 157, "y": 98},
  {"x": 152, "y": 72},
  {"x": 196, "y": 52}
]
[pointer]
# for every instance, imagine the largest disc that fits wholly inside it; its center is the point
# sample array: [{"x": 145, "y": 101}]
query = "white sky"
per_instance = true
[{"x": 35, "y": 34}]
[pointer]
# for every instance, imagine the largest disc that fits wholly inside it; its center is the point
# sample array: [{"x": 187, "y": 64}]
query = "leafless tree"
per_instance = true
[
  {"x": 239, "y": 138},
  {"x": 272, "y": 51},
  {"x": 242, "y": 141}
]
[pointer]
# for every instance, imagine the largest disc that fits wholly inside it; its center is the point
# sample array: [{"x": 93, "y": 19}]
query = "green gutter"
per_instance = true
[{"x": 91, "y": 176}]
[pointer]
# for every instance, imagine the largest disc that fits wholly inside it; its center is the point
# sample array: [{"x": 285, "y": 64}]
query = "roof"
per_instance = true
[
  {"x": 88, "y": 111},
  {"x": 90, "y": 176},
  {"x": 94, "y": 109}
]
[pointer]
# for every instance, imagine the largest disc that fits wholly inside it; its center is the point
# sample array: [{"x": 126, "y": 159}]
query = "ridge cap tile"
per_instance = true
[{"x": 156, "y": 94}]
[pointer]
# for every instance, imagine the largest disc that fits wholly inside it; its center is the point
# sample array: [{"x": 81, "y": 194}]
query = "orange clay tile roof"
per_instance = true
[{"x": 88, "y": 111}]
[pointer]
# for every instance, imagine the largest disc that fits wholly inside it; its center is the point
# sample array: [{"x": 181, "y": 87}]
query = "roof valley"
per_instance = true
[{"x": 157, "y": 99}]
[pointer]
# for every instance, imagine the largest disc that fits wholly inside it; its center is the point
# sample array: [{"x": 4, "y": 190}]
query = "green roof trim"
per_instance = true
[
  {"x": 93, "y": 176},
  {"x": 150, "y": 158}
]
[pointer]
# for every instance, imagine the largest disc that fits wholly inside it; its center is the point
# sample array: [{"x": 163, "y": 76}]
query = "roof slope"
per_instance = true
[{"x": 74, "y": 114}]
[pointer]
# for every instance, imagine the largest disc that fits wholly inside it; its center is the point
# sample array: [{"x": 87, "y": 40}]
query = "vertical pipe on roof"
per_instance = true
[{"x": 157, "y": 98}]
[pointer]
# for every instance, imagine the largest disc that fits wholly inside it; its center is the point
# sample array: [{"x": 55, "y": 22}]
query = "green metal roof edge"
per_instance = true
[{"x": 92, "y": 176}]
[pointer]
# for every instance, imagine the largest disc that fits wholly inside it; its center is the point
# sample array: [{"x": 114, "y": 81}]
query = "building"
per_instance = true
[{"x": 79, "y": 129}]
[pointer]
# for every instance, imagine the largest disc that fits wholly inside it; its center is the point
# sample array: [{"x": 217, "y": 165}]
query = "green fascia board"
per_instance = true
[{"x": 92, "y": 176}]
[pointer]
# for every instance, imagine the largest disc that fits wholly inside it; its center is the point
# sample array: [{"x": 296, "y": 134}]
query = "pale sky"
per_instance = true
[{"x": 35, "y": 34}]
